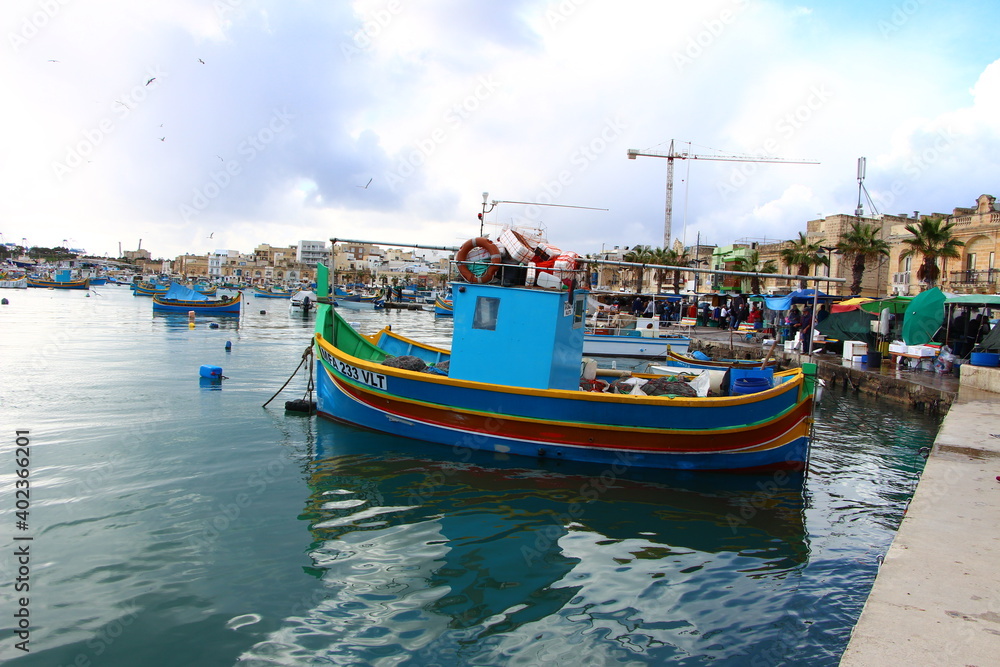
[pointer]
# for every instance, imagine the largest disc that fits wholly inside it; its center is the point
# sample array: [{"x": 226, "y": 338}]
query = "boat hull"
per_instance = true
[
  {"x": 635, "y": 347},
  {"x": 223, "y": 307},
  {"x": 764, "y": 431},
  {"x": 69, "y": 284}
]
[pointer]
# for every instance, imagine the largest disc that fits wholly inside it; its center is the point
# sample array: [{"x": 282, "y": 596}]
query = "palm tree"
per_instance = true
[
  {"x": 801, "y": 255},
  {"x": 640, "y": 254},
  {"x": 932, "y": 239},
  {"x": 752, "y": 263},
  {"x": 859, "y": 245},
  {"x": 670, "y": 258}
]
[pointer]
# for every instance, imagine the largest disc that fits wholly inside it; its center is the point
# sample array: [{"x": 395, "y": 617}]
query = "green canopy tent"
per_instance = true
[
  {"x": 992, "y": 339},
  {"x": 923, "y": 317},
  {"x": 849, "y": 325}
]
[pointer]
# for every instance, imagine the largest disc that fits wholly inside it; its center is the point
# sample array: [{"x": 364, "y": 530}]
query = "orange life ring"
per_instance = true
[{"x": 491, "y": 270}]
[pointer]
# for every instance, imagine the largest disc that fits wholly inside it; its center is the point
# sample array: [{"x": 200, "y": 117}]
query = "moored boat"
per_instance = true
[
  {"x": 59, "y": 284},
  {"x": 506, "y": 392},
  {"x": 268, "y": 293},
  {"x": 443, "y": 306},
  {"x": 183, "y": 299}
]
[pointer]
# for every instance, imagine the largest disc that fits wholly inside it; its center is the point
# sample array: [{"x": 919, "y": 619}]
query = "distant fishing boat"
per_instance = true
[
  {"x": 268, "y": 293},
  {"x": 59, "y": 284},
  {"x": 507, "y": 392},
  {"x": 443, "y": 306},
  {"x": 183, "y": 299}
]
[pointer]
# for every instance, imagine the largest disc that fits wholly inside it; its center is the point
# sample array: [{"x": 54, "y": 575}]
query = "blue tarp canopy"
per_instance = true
[
  {"x": 182, "y": 293},
  {"x": 800, "y": 296}
]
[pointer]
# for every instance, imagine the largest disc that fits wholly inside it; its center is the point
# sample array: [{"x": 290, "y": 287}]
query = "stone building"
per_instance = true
[{"x": 974, "y": 272}]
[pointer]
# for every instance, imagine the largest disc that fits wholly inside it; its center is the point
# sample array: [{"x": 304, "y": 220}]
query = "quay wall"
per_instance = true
[{"x": 934, "y": 396}]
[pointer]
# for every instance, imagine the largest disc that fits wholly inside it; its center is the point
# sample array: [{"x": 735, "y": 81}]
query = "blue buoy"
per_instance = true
[
  {"x": 229, "y": 344},
  {"x": 213, "y": 325},
  {"x": 210, "y": 372}
]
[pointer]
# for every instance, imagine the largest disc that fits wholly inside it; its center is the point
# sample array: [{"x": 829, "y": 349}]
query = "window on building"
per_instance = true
[
  {"x": 908, "y": 263},
  {"x": 970, "y": 262},
  {"x": 992, "y": 259}
]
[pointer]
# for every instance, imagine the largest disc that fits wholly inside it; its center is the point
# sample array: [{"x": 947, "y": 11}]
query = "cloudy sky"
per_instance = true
[{"x": 195, "y": 125}]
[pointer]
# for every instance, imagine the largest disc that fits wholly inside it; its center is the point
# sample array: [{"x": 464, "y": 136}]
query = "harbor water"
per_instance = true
[{"x": 174, "y": 520}]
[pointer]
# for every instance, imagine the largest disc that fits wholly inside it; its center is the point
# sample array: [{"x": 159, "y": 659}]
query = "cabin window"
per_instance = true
[
  {"x": 579, "y": 312},
  {"x": 485, "y": 316}
]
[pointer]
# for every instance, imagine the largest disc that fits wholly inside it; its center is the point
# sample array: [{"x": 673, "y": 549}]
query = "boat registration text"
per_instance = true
[{"x": 375, "y": 380}]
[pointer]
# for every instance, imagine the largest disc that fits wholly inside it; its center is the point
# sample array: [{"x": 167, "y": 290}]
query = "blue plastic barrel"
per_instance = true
[
  {"x": 750, "y": 385},
  {"x": 991, "y": 359},
  {"x": 210, "y": 372}
]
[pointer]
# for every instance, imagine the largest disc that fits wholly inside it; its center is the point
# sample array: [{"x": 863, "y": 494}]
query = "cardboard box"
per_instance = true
[
  {"x": 902, "y": 348},
  {"x": 921, "y": 351}
]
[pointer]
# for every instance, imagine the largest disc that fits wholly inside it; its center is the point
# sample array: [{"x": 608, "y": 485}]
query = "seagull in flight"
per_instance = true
[
  {"x": 365, "y": 186},
  {"x": 151, "y": 81},
  {"x": 201, "y": 61},
  {"x": 210, "y": 235}
]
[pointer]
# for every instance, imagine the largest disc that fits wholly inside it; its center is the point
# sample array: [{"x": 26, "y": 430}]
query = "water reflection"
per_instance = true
[{"x": 425, "y": 551}]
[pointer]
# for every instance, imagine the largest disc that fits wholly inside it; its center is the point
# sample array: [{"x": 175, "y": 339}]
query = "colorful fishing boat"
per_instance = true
[
  {"x": 511, "y": 392},
  {"x": 443, "y": 306},
  {"x": 151, "y": 289},
  {"x": 697, "y": 360},
  {"x": 268, "y": 293},
  {"x": 181, "y": 299},
  {"x": 59, "y": 284}
]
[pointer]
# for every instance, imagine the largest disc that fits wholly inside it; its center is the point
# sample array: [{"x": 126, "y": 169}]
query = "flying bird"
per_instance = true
[
  {"x": 201, "y": 61},
  {"x": 210, "y": 235},
  {"x": 365, "y": 186},
  {"x": 163, "y": 138},
  {"x": 151, "y": 80},
  {"x": 53, "y": 61},
  {"x": 220, "y": 157},
  {"x": 122, "y": 103}
]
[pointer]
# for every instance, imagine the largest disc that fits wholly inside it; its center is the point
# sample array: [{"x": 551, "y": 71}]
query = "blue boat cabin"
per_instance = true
[{"x": 518, "y": 336}]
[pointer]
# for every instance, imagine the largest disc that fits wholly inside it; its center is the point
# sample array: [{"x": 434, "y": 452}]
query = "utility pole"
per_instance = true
[{"x": 672, "y": 155}]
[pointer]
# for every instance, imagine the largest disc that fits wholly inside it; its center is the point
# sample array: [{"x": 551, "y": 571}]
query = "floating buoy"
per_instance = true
[
  {"x": 263, "y": 312},
  {"x": 4, "y": 301},
  {"x": 229, "y": 344},
  {"x": 213, "y": 325},
  {"x": 210, "y": 372}
]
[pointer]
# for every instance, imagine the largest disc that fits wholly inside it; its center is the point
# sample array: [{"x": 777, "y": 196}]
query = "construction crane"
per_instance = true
[{"x": 671, "y": 155}]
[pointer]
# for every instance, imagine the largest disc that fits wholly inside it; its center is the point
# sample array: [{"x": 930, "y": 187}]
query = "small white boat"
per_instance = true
[
  {"x": 303, "y": 299},
  {"x": 642, "y": 339}
]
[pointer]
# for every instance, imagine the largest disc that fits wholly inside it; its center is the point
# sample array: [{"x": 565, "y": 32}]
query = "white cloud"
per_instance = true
[{"x": 438, "y": 103}]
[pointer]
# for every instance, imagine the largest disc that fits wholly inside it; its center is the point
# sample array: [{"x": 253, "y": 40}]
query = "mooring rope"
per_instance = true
[{"x": 305, "y": 355}]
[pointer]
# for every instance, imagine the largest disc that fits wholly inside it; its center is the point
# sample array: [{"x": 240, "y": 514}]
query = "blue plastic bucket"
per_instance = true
[
  {"x": 750, "y": 385},
  {"x": 984, "y": 359}
]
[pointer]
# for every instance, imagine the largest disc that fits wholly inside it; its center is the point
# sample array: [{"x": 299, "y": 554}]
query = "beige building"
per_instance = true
[{"x": 974, "y": 272}]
